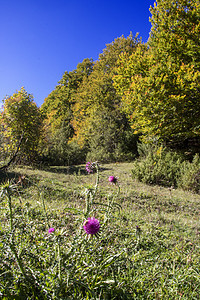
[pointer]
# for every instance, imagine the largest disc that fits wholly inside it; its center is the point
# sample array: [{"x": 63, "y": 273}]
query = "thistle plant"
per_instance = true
[
  {"x": 90, "y": 192},
  {"x": 7, "y": 191},
  {"x": 55, "y": 262}
]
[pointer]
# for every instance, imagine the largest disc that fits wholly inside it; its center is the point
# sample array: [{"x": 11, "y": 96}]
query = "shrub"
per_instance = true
[
  {"x": 65, "y": 153},
  {"x": 112, "y": 145},
  {"x": 159, "y": 166},
  {"x": 189, "y": 178}
]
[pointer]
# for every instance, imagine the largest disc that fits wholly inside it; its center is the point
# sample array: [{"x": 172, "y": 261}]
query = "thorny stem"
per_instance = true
[
  {"x": 12, "y": 243},
  {"x": 97, "y": 181},
  {"x": 29, "y": 280},
  {"x": 87, "y": 209},
  {"x": 10, "y": 211},
  {"x": 59, "y": 260},
  {"x": 19, "y": 262},
  {"x": 118, "y": 191},
  {"x": 90, "y": 194}
]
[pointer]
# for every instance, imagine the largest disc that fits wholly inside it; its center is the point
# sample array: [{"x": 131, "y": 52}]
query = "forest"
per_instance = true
[{"x": 135, "y": 92}]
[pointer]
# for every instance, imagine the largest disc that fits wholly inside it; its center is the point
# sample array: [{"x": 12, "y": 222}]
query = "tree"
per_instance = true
[
  {"x": 161, "y": 92},
  {"x": 175, "y": 31},
  {"x": 58, "y": 114},
  {"x": 57, "y": 107},
  {"x": 97, "y": 118},
  {"x": 60, "y": 151},
  {"x": 21, "y": 118}
]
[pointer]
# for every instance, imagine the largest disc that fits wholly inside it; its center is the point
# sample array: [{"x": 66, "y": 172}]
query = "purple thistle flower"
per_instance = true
[
  {"x": 113, "y": 179},
  {"x": 51, "y": 230},
  {"x": 91, "y": 226},
  {"x": 90, "y": 167}
]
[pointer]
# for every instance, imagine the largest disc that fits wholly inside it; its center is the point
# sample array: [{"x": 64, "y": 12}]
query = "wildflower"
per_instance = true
[
  {"x": 51, "y": 230},
  {"x": 113, "y": 179},
  {"x": 90, "y": 167},
  {"x": 91, "y": 226}
]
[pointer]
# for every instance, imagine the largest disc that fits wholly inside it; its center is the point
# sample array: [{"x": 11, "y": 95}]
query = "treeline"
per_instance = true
[{"x": 134, "y": 91}]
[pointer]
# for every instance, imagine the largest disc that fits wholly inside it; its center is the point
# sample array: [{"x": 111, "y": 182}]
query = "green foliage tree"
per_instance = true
[
  {"x": 58, "y": 114},
  {"x": 57, "y": 107},
  {"x": 109, "y": 137},
  {"x": 21, "y": 118},
  {"x": 98, "y": 121},
  {"x": 160, "y": 81}
]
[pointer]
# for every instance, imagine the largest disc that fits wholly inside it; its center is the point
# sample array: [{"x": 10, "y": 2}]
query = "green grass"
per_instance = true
[{"x": 147, "y": 249}]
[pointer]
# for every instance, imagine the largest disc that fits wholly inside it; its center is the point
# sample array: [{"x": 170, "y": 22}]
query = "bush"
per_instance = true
[
  {"x": 159, "y": 166},
  {"x": 189, "y": 178}
]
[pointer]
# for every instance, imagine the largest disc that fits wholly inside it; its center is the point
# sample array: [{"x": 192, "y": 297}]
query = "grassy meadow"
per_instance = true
[{"x": 148, "y": 246}]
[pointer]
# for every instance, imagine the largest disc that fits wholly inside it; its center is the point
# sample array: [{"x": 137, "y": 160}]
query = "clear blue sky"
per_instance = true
[{"x": 41, "y": 39}]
